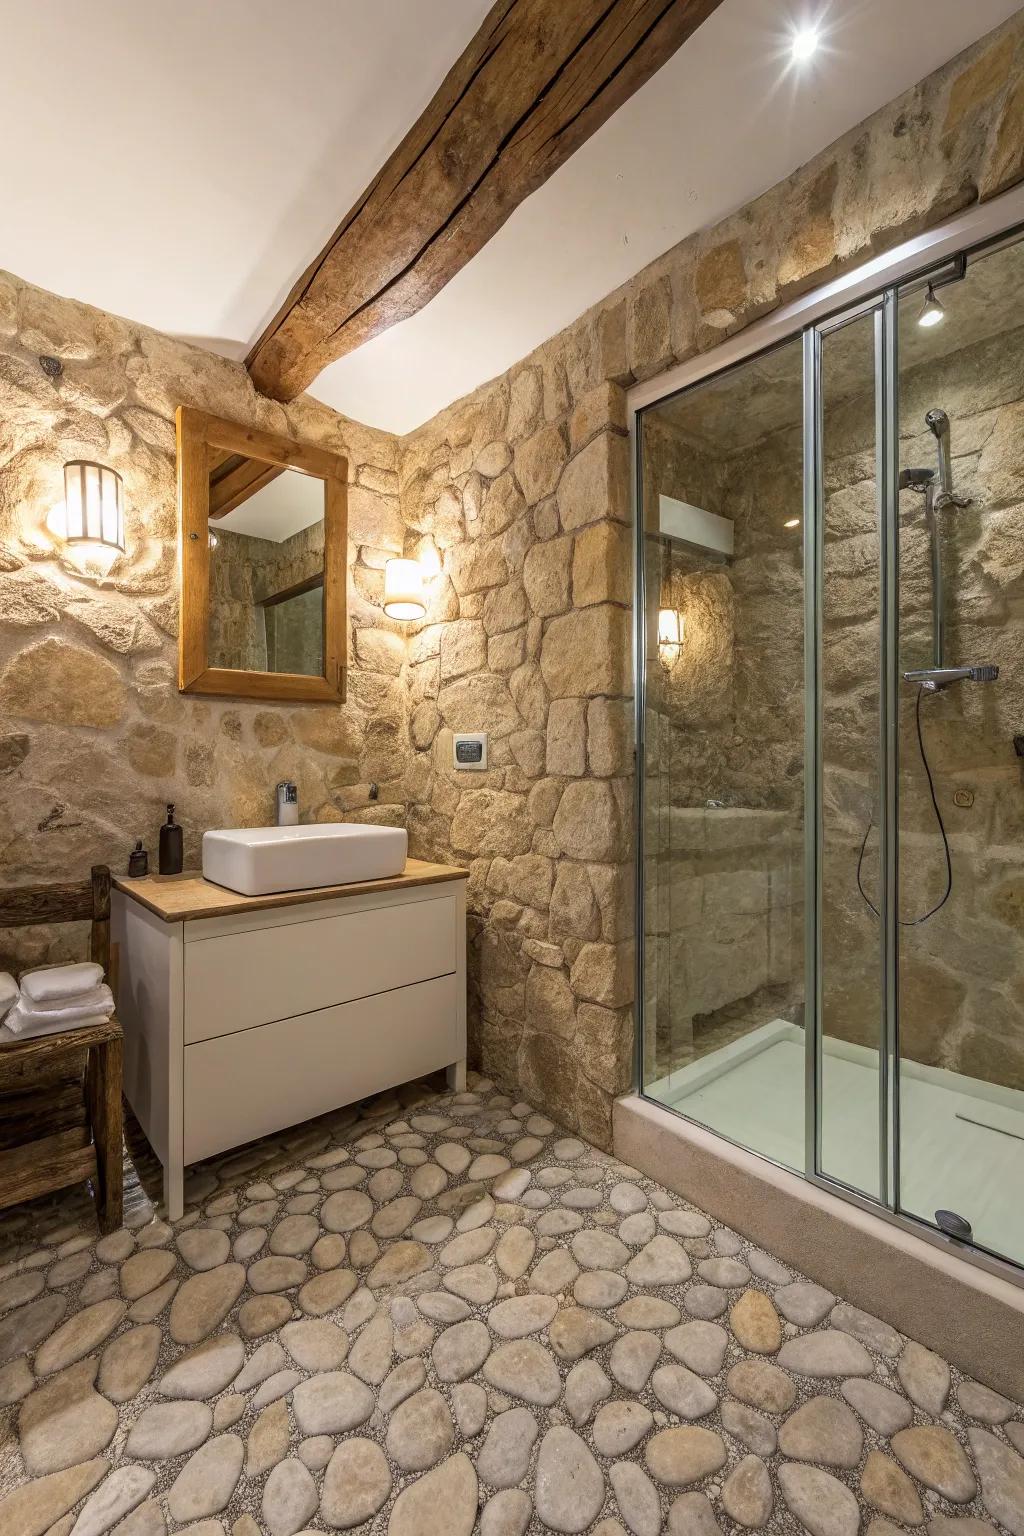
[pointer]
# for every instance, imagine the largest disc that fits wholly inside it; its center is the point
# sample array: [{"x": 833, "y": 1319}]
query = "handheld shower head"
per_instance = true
[
  {"x": 934, "y": 679},
  {"x": 916, "y": 479},
  {"x": 937, "y": 423}
]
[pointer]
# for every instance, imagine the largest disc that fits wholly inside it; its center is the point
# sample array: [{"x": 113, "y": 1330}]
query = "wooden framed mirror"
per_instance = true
[{"x": 263, "y": 527}]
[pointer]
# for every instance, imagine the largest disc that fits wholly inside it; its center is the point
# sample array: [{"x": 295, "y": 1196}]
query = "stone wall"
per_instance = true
[
  {"x": 723, "y": 930},
  {"x": 520, "y": 496},
  {"x": 245, "y": 572},
  {"x": 94, "y": 736},
  {"x": 236, "y": 633}
]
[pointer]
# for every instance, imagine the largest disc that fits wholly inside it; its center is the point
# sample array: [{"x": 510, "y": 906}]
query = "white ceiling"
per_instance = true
[
  {"x": 182, "y": 169},
  {"x": 182, "y": 165},
  {"x": 277, "y": 511}
]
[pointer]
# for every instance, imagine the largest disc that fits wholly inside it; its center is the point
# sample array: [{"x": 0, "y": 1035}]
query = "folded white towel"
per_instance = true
[
  {"x": 56, "y": 982},
  {"x": 25, "y": 1020},
  {"x": 38, "y": 1027},
  {"x": 9, "y": 993},
  {"x": 93, "y": 1001}
]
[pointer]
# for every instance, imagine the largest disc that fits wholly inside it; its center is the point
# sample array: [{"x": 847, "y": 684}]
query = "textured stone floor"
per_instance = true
[{"x": 440, "y": 1314}]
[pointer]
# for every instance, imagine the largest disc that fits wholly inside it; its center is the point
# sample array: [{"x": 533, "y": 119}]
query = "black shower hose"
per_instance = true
[{"x": 912, "y": 922}]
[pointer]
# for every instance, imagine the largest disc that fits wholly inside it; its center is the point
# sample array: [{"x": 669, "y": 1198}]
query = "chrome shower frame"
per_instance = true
[{"x": 873, "y": 288}]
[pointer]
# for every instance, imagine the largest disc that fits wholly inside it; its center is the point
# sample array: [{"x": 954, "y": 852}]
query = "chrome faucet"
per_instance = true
[{"x": 287, "y": 804}]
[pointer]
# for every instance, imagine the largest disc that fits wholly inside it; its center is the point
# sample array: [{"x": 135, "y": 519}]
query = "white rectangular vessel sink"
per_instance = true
[{"x": 260, "y": 861}]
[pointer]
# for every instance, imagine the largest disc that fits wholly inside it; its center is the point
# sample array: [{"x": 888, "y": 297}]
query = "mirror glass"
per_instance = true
[{"x": 266, "y": 531}]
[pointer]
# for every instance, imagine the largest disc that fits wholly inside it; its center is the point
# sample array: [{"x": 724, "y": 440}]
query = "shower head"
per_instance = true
[
  {"x": 938, "y": 422},
  {"x": 933, "y": 679},
  {"x": 916, "y": 479}
]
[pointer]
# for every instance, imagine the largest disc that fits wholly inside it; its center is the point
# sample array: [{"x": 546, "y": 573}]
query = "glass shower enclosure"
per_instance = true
[{"x": 830, "y": 590}]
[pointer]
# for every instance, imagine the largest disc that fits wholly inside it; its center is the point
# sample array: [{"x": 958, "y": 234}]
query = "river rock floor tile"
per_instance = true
[{"x": 436, "y": 1313}]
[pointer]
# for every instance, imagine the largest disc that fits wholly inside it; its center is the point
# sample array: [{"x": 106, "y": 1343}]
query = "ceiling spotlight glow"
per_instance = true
[
  {"x": 805, "y": 42},
  {"x": 932, "y": 312},
  {"x": 791, "y": 522}
]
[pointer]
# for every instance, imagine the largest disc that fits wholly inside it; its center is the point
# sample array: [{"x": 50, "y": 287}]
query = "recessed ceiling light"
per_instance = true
[
  {"x": 805, "y": 42},
  {"x": 932, "y": 312},
  {"x": 791, "y": 522}
]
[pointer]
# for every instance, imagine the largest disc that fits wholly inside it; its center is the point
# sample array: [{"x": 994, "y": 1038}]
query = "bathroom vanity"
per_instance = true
[{"x": 246, "y": 1014}]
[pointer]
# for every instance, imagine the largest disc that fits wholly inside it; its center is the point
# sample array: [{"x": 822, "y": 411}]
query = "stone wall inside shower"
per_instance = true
[
  {"x": 724, "y": 747},
  {"x": 961, "y": 970}
]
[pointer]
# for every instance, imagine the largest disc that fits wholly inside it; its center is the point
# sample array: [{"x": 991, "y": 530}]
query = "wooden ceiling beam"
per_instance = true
[
  {"x": 537, "y": 80},
  {"x": 229, "y": 489}
]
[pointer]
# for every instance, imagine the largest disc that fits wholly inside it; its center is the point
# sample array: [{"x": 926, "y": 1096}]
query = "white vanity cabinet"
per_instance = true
[{"x": 243, "y": 1015}]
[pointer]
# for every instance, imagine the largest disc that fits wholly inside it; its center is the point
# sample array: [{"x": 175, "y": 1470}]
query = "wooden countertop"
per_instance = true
[{"x": 177, "y": 898}]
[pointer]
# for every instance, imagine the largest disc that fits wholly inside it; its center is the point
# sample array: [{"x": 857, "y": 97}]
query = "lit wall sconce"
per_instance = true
[
  {"x": 403, "y": 590},
  {"x": 91, "y": 517},
  {"x": 932, "y": 312},
  {"x": 670, "y": 633},
  {"x": 94, "y": 505}
]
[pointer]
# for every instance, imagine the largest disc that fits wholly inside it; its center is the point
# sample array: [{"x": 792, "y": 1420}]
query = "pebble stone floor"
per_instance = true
[{"x": 439, "y": 1314}]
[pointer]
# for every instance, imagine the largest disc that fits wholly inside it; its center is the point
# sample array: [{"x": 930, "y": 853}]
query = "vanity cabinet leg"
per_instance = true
[
  {"x": 174, "y": 1193},
  {"x": 456, "y": 1075}
]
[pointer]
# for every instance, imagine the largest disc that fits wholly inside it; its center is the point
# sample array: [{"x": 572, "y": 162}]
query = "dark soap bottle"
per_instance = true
[{"x": 171, "y": 849}]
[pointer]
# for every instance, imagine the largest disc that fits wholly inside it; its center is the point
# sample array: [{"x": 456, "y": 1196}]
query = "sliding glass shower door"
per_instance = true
[
  {"x": 961, "y": 736},
  {"x": 845, "y": 808},
  {"x": 723, "y": 684},
  {"x": 831, "y": 593}
]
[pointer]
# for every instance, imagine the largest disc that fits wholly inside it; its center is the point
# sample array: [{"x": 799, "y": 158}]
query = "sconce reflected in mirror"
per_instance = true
[
  {"x": 670, "y": 634},
  {"x": 403, "y": 590}
]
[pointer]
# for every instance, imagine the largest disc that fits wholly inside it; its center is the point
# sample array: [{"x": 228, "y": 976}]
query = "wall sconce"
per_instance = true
[
  {"x": 932, "y": 312},
  {"x": 403, "y": 590},
  {"x": 91, "y": 517},
  {"x": 93, "y": 505},
  {"x": 670, "y": 634}
]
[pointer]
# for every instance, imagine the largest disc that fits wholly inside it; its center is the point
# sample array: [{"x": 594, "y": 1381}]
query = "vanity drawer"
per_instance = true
[
  {"x": 238, "y": 981},
  {"x": 245, "y": 1085}
]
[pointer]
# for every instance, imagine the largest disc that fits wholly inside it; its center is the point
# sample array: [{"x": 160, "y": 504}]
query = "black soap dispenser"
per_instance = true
[
  {"x": 171, "y": 846},
  {"x": 138, "y": 862}
]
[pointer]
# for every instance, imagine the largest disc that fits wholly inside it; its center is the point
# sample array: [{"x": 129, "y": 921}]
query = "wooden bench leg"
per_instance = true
[{"x": 103, "y": 1089}]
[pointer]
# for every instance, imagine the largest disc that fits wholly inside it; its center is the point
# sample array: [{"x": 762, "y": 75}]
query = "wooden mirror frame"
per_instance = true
[{"x": 197, "y": 434}]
